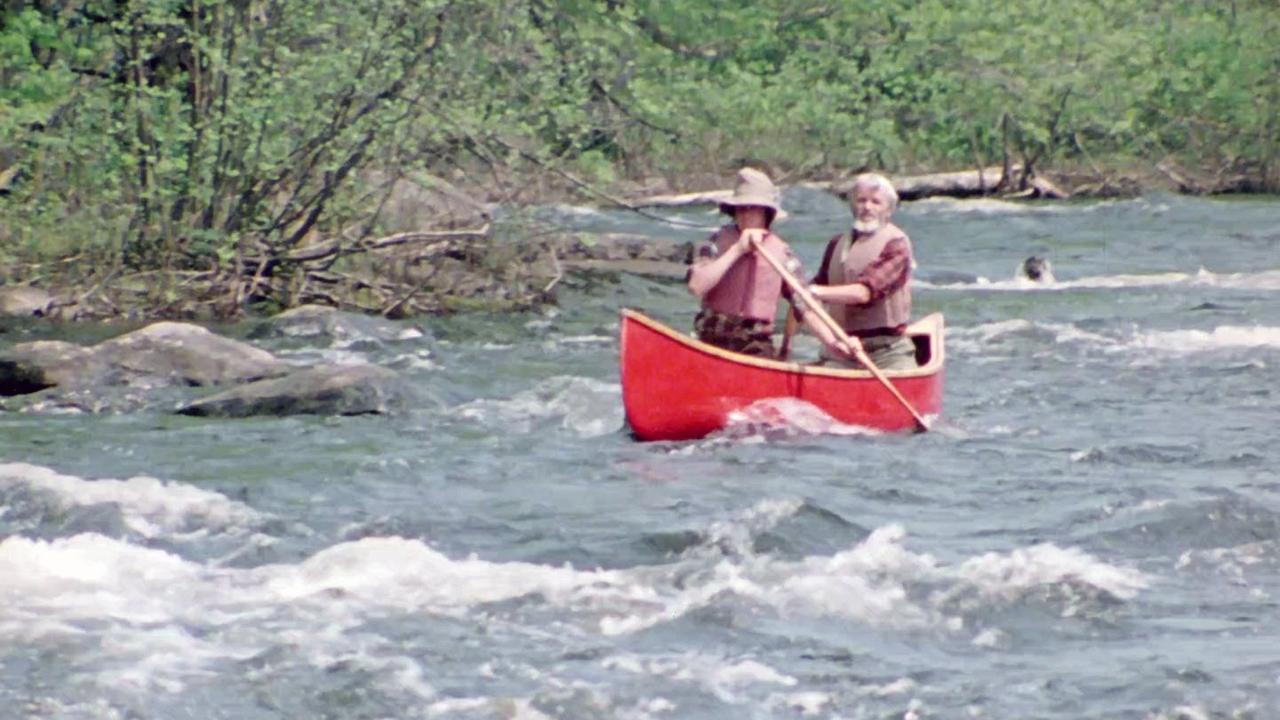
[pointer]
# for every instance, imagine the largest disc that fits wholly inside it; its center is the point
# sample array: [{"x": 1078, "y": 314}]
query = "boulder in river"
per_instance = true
[
  {"x": 33, "y": 366},
  {"x": 325, "y": 390},
  {"x": 160, "y": 354},
  {"x": 338, "y": 326}
]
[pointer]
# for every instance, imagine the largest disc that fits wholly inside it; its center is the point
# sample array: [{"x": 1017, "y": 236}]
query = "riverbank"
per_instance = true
[{"x": 479, "y": 263}]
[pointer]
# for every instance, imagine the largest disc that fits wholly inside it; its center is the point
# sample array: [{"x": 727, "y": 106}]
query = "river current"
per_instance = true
[{"x": 1090, "y": 530}]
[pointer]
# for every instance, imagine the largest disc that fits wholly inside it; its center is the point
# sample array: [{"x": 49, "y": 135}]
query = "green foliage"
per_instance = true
[{"x": 167, "y": 133}]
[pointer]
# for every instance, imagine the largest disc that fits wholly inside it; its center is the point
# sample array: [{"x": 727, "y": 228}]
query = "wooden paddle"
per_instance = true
[{"x": 813, "y": 305}]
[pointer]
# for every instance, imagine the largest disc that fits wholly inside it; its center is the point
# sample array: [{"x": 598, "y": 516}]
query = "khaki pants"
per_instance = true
[{"x": 891, "y": 352}]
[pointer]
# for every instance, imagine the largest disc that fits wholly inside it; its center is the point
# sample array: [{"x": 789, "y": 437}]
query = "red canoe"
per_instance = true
[{"x": 677, "y": 388}]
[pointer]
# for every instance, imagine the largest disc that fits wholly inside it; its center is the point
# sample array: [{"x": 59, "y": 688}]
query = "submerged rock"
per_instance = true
[
  {"x": 340, "y": 327},
  {"x": 325, "y": 390}
]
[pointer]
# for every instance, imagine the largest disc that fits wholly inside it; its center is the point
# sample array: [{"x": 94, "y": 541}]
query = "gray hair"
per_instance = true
[{"x": 879, "y": 183}]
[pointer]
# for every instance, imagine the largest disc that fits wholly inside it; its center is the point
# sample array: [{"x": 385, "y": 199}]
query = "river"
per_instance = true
[{"x": 1090, "y": 530}]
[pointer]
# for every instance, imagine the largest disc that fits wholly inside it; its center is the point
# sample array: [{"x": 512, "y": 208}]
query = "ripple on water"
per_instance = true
[
  {"x": 1137, "y": 454},
  {"x": 1172, "y": 528}
]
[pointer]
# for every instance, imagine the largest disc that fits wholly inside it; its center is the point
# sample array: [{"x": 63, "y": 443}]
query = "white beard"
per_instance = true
[{"x": 866, "y": 227}]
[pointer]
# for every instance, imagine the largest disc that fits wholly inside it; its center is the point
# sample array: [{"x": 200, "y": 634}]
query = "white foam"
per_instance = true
[
  {"x": 1238, "y": 564},
  {"x": 980, "y": 338},
  {"x": 91, "y": 576},
  {"x": 584, "y": 406},
  {"x": 989, "y": 638},
  {"x": 1020, "y": 283},
  {"x": 161, "y": 621},
  {"x": 737, "y": 532},
  {"x": 901, "y": 686},
  {"x": 340, "y": 354},
  {"x": 987, "y": 332},
  {"x": 867, "y": 583},
  {"x": 791, "y": 416},
  {"x": 977, "y": 339},
  {"x": 1125, "y": 281},
  {"x": 875, "y": 583},
  {"x": 1220, "y": 338},
  {"x": 807, "y": 703},
  {"x": 1009, "y": 576},
  {"x": 989, "y": 206},
  {"x": 150, "y": 507},
  {"x": 417, "y": 360},
  {"x": 1265, "y": 280},
  {"x": 587, "y": 340},
  {"x": 409, "y": 575},
  {"x": 503, "y": 707},
  {"x": 455, "y": 706},
  {"x": 723, "y": 677},
  {"x": 1185, "y": 712}
]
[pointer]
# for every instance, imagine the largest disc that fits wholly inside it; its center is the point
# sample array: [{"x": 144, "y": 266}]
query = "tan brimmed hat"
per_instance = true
[{"x": 753, "y": 188}]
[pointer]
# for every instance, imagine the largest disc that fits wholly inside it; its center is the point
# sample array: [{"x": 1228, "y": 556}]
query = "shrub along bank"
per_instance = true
[{"x": 212, "y": 144}]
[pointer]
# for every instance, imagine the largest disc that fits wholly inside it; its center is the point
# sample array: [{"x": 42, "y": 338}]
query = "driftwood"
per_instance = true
[
  {"x": 331, "y": 248},
  {"x": 968, "y": 183},
  {"x": 1231, "y": 176},
  {"x": 713, "y": 197}
]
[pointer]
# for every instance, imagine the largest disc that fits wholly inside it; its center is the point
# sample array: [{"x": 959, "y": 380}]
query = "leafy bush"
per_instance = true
[{"x": 197, "y": 134}]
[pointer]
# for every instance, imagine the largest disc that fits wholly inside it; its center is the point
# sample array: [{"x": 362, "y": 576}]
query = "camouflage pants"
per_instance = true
[{"x": 736, "y": 334}]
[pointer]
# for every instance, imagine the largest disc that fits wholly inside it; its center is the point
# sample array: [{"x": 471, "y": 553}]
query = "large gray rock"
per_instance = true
[
  {"x": 161, "y": 354},
  {"x": 33, "y": 366},
  {"x": 188, "y": 354},
  {"x": 325, "y": 390}
]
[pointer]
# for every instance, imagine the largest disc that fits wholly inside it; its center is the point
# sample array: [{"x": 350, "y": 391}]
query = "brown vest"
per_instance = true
[{"x": 845, "y": 261}]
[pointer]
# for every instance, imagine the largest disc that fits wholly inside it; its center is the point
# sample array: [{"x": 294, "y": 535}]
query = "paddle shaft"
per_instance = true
[{"x": 813, "y": 305}]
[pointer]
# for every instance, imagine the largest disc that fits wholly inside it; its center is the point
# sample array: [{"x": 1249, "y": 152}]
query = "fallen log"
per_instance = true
[
  {"x": 337, "y": 247},
  {"x": 966, "y": 183},
  {"x": 711, "y": 197}
]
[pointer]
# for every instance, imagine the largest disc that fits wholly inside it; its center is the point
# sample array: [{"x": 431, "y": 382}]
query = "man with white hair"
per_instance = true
[{"x": 865, "y": 278}]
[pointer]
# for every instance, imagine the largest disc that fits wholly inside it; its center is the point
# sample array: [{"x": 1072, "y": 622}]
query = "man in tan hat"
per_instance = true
[
  {"x": 864, "y": 278},
  {"x": 738, "y": 288}
]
